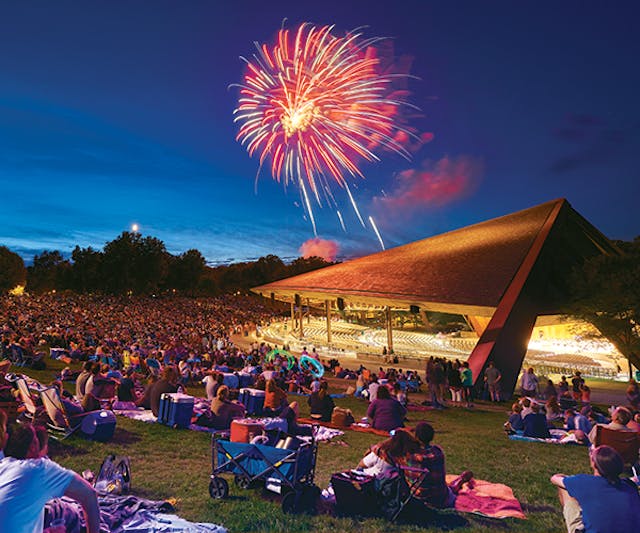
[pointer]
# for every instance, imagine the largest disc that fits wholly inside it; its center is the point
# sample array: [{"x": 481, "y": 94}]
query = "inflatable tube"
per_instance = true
[
  {"x": 291, "y": 360},
  {"x": 314, "y": 366}
]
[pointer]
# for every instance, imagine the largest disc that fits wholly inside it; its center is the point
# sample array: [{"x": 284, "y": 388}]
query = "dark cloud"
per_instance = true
[{"x": 594, "y": 141}]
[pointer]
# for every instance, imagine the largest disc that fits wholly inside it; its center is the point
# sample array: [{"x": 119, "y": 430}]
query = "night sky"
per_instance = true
[{"x": 114, "y": 113}]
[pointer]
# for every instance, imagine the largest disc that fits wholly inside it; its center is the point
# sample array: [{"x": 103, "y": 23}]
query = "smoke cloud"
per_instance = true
[
  {"x": 435, "y": 184},
  {"x": 326, "y": 249}
]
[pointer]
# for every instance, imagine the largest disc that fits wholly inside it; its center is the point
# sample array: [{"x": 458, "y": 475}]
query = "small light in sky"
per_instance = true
[{"x": 135, "y": 227}]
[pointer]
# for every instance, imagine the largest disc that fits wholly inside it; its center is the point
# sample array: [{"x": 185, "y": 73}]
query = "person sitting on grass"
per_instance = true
[
  {"x": 224, "y": 410},
  {"x": 168, "y": 384},
  {"x": 535, "y": 424},
  {"x": 290, "y": 414},
  {"x": 433, "y": 489},
  {"x": 275, "y": 399},
  {"x": 383, "y": 458},
  {"x": 321, "y": 403},
  {"x": 28, "y": 481},
  {"x": 600, "y": 502},
  {"x": 145, "y": 399},
  {"x": 386, "y": 413},
  {"x": 553, "y": 411},
  {"x": 515, "y": 422}
]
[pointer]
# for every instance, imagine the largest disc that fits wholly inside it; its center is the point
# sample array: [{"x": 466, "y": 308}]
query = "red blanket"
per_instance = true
[{"x": 494, "y": 500}]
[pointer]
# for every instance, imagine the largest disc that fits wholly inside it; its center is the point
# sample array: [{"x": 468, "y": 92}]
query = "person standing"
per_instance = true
[
  {"x": 466, "y": 376},
  {"x": 576, "y": 384},
  {"x": 529, "y": 384},
  {"x": 493, "y": 376}
]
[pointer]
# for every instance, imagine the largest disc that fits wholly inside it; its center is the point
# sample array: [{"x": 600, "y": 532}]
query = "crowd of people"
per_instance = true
[{"x": 133, "y": 350}]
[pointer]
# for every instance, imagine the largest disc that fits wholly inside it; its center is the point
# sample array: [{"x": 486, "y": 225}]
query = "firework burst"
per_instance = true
[{"x": 314, "y": 106}]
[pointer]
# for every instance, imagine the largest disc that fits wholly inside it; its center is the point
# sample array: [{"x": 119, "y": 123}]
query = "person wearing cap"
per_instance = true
[{"x": 601, "y": 501}]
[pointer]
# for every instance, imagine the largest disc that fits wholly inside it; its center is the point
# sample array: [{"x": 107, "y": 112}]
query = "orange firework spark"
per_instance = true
[{"x": 316, "y": 104}]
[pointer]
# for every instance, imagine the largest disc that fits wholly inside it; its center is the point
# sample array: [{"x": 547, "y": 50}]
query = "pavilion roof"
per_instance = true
[{"x": 463, "y": 271}]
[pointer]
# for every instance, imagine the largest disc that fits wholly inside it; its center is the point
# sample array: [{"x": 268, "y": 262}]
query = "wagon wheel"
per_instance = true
[
  {"x": 242, "y": 481},
  {"x": 218, "y": 488},
  {"x": 290, "y": 502}
]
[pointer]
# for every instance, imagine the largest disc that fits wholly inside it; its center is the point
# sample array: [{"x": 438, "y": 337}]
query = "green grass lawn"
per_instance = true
[{"x": 168, "y": 463}]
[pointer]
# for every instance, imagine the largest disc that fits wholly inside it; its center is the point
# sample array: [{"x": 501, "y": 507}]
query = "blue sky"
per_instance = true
[{"x": 120, "y": 112}]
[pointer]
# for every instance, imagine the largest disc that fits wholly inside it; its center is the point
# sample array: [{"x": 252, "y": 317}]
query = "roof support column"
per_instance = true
[
  {"x": 387, "y": 312},
  {"x": 301, "y": 332},
  {"x": 327, "y": 308},
  {"x": 506, "y": 337}
]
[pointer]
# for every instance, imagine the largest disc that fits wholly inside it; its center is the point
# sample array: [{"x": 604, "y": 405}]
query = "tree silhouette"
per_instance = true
[
  {"x": 606, "y": 293},
  {"x": 12, "y": 270}
]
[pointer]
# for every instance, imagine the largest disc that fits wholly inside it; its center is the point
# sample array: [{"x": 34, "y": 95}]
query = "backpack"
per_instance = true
[
  {"x": 114, "y": 476},
  {"x": 342, "y": 417}
]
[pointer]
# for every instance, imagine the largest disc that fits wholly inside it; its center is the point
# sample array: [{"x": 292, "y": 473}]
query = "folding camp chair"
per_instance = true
[
  {"x": 60, "y": 425},
  {"x": 400, "y": 490},
  {"x": 626, "y": 443},
  {"x": 32, "y": 411}
]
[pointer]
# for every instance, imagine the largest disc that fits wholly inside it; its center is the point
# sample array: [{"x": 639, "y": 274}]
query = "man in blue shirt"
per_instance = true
[{"x": 600, "y": 502}]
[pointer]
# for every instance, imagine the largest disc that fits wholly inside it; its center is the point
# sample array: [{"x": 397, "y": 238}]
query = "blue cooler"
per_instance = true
[
  {"x": 253, "y": 400},
  {"x": 99, "y": 425},
  {"x": 246, "y": 380},
  {"x": 175, "y": 410},
  {"x": 230, "y": 380}
]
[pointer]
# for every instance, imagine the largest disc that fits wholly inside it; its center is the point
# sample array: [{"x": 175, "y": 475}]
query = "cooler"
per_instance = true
[
  {"x": 230, "y": 380},
  {"x": 253, "y": 400},
  {"x": 99, "y": 425},
  {"x": 175, "y": 410},
  {"x": 355, "y": 493},
  {"x": 246, "y": 379},
  {"x": 244, "y": 429}
]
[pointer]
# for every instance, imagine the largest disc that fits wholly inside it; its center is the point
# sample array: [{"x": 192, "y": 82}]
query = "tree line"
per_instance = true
[
  {"x": 133, "y": 264},
  {"x": 604, "y": 290}
]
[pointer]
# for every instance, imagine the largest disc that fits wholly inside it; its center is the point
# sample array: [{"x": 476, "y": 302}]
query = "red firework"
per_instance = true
[{"x": 315, "y": 104}]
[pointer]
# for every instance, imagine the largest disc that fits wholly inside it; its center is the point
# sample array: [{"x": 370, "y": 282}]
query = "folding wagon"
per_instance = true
[{"x": 288, "y": 472}]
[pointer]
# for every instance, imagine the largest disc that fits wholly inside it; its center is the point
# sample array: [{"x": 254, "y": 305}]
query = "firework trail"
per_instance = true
[
  {"x": 375, "y": 229},
  {"x": 344, "y": 228},
  {"x": 314, "y": 105}
]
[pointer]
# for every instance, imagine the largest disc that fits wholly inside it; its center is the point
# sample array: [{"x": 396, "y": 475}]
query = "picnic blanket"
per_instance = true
[
  {"x": 494, "y": 500},
  {"x": 120, "y": 514},
  {"x": 142, "y": 415},
  {"x": 558, "y": 436},
  {"x": 353, "y": 427},
  {"x": 324, "y": 434}
]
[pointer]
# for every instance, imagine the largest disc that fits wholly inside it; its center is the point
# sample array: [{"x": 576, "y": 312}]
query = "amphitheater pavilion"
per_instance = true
[{"x": 501, "y": 275}]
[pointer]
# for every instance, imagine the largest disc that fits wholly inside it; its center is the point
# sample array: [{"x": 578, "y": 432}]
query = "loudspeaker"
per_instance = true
[
  {"x": 273, "y": 297},
  {"x": 341, "y": 304},
  {"x": 297, "y": 300},
  {"x": 414, "y": 309}
]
